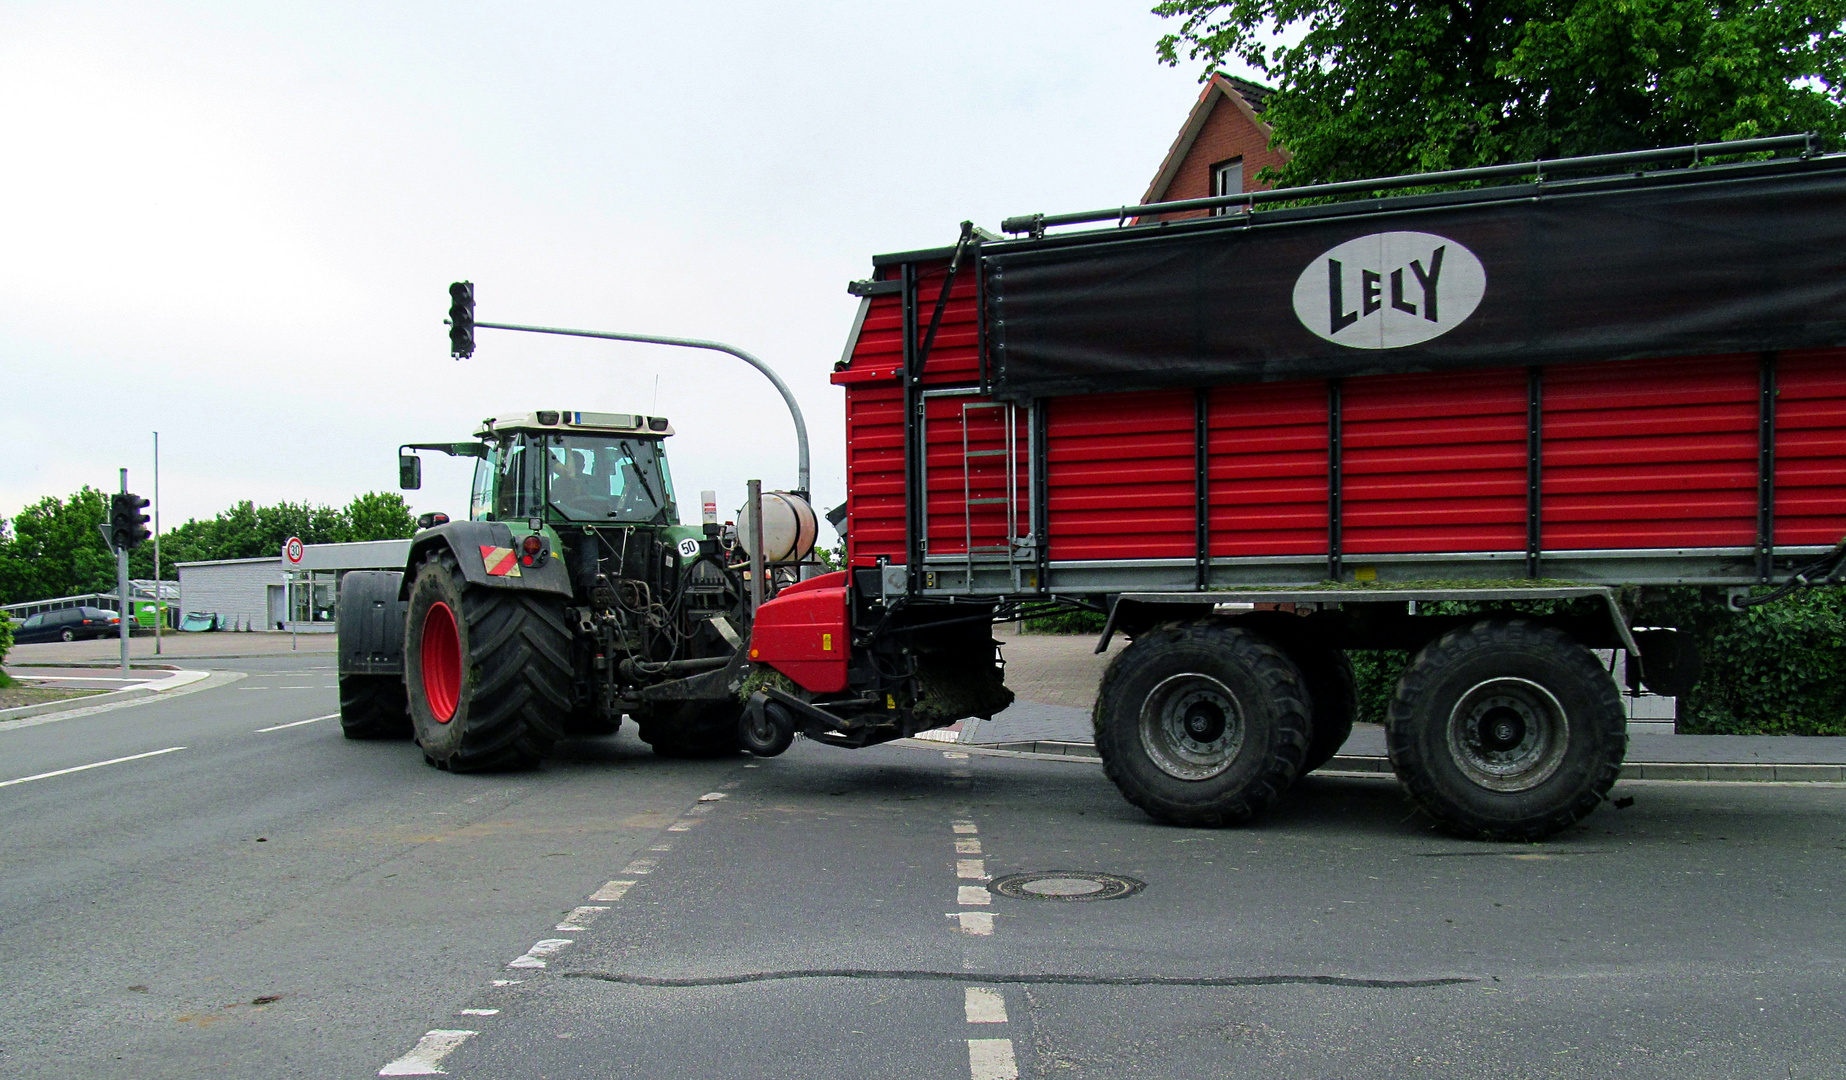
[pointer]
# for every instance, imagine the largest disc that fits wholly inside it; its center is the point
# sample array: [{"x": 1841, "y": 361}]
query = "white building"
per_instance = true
[{"x": 269, "y": 593}]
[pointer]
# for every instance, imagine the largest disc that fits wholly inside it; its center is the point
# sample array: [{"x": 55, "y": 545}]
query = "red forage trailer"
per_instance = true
[{"x": 1284, "y": 429}]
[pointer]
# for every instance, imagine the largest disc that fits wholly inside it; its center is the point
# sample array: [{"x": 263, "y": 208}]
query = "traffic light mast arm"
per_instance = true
[{"x": 794, "y": 409}]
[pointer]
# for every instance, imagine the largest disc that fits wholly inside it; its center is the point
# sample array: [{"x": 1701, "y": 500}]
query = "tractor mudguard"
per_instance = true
[
  {"x": 485, "y": 552},
  {"x": 371, "y": 623}
]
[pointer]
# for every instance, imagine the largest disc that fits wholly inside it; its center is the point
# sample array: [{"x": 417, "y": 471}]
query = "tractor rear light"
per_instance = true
[
  {"x": 532, "y": 545},
  {"x": 533, "y": 548}
]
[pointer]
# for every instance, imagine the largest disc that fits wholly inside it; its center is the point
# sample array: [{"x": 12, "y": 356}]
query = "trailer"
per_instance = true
[
  {"x": 1488, "y": 421},
  {"x": 1484, "y": 426}
]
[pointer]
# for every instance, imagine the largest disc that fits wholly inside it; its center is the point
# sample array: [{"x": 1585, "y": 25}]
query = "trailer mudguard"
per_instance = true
[
  {"x": 484, "y": 551},
  {"x": 371, "y": 623},
  {"x": 803, "y": 633}
]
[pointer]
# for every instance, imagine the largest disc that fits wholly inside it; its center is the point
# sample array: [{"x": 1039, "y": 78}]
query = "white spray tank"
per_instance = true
[{"x": 789, "y": 528}]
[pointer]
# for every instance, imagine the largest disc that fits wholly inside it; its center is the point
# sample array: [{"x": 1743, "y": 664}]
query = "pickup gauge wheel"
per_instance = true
[
  {"x": 488, "y": 671},
  {"x": 1506, "y": 730},
  {"x": 1201, "y": 723},
  {"x": 374, "y": 707}
]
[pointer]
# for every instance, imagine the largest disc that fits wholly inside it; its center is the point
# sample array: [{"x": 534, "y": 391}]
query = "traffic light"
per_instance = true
[
  {"x": 461, "y": 319},
  {"x": 127, "y": 524}
]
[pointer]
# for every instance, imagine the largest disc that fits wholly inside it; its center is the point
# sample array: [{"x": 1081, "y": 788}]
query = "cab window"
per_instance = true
[
  {"x": 481, "y": 494},
  {"x": 520, "y": 476},
  {"x": 609, "y": 478}
]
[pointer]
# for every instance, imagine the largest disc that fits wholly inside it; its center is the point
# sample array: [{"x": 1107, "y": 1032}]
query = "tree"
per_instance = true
[
  {"x": 56, "y": 549},
  {"x": 1376, "y": 87},
  {"x": 379, "y": 515}
]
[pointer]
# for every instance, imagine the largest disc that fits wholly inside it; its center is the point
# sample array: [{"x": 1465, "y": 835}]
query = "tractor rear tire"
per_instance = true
[
  {"x": 693, "y": 729},
  {"x": 374, "y": 707},
  {"x": 1202, "y": 724},
  {"x": 1506, "y": 730},
  {"x": 488, "y": 670}
]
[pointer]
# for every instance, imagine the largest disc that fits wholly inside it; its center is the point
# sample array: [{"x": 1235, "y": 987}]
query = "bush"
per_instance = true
[
  {"x": 1770, "y": 670},
  {"x": 6, "y": 642},
  {"x": 1068, "y": 622}
]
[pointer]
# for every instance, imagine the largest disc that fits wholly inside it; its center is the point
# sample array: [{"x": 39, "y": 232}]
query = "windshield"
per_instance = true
[{"x": 609, "y": 478}]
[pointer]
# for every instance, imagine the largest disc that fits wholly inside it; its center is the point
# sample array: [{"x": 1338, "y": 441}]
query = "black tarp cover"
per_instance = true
[{"x": 1697, "y": 266}]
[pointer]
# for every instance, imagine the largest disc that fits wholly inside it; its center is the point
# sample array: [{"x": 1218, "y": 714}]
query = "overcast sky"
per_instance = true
[{"x": 235, "y": 223}]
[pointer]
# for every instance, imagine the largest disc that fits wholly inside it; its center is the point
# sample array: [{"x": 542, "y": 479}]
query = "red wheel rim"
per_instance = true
[{"x": 442, "y": 670}]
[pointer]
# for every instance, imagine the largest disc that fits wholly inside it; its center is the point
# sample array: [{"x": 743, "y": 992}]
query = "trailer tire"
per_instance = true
[
  {"x": 488, "y": 670},
  {"x": 1327, "y": 674},
  {"x": 693, "y": 729},
  {"x": 1202, "y": 723},
  {"x": 374, "y": 707},
  {"x": 1506, "y": 730}
]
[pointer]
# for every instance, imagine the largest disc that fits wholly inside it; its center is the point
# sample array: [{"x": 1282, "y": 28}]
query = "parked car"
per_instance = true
[{"x": 68, "y": 624}]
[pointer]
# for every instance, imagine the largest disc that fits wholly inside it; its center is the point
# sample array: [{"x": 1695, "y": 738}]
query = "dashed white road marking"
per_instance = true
[
  {"x": 972, "y": 894},
  {"x": 965, "y": 828},
  {"x": 991, "y": 1059},
  {"x": 984, "y": 1005},
  {"x": 612, "y": 890},
  {"x": 971, "y": 868},
  {"x": 580, "y": 918},
  {"x": 955, "y": 755},
  {"x": 713, "y": 796},
  {"x": 508, "y": 982},
  {"x": 731, "y": 785},
  {"x": 92, "y": 765},
  {"x": 682, "y": 825},
  {"x": 661, "y": 847},
  {"x": 496, "y": 1012},
  {"x": 535, "y": 956},
  {"x": 978, "y": 923},
  {"x": 426, "y": 1058},
  {"x": 968, "y": 847},
  {"x": 640, "y": 866},
  {"x": 298, "y": 723}
]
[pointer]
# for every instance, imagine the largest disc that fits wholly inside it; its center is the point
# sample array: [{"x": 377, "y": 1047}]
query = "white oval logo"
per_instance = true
[
  {"x": 688, "y": 548},
  {"x": 1389, "y": 290}
]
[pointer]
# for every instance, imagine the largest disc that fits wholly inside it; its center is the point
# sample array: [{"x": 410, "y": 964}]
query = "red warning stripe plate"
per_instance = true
[{"x": 500, "y": 562}]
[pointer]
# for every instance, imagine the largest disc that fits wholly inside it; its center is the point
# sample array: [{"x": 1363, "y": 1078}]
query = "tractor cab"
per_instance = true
[{"x": 574, "y": 467}]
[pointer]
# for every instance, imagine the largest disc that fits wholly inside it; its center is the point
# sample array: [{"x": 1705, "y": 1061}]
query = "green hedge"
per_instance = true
[{"x": 1778, "y": 669}]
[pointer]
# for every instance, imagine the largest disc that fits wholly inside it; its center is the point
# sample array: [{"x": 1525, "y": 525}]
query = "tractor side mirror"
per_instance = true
[{"x": 409, "y": 472}]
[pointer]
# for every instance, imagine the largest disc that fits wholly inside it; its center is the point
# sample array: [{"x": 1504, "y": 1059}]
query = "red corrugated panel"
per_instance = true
[
  {"x": 1810, "y": 447},
  {"x": 1434, "y": 462},
  {"x": 1267, "y": 462},
  {"x": 1651, "y": 453},
  {"x": 955, "y": 358},
  {"x": 875, "y": 435},
  {"x": 1120, "y": 476},
  {"x": 954, "y": 479}
]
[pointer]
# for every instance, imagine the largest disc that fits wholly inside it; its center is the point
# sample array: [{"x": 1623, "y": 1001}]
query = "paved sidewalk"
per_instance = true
[{"x": 174, "y": 647}]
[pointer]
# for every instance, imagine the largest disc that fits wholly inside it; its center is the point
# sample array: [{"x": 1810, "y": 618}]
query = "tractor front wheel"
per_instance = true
[{"x": 488, "y": 670}]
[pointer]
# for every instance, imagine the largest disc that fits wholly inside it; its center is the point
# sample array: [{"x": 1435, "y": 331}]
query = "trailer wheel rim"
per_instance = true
[
  {"x": 1508, "y": 734},
  {"x": 1192, "y": 726},
  {"x": 441, "y": 659}
]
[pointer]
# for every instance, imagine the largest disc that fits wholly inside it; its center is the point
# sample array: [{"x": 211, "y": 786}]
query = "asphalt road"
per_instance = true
[{"x": 814, "y": 916}]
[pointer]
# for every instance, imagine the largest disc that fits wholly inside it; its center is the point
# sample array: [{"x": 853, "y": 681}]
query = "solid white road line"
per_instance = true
[
  {"x": 298, "y": 723},
  {"x": 973, "y": 894},
  {"x": 534, "y": 957},
  {"x": 612, "y": 890},
  {"x": 580, "y": 918},
  {"x": 426, "y": 1058},
  {"x": 984, "y": 1005},
  {"x": 978, "y": 923},
  {"x": 991, "y": 1059},
  {"x": 92, "y": 765}
]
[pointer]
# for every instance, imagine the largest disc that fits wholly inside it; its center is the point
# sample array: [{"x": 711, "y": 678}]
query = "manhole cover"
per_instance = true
[{"x": 1067, "y": 885}]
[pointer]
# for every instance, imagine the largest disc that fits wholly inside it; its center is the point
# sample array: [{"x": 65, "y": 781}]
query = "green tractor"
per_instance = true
[{"x": 571, "y": 598}]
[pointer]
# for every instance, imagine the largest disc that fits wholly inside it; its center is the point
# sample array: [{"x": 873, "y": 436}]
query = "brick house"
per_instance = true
[{"x": 1221, "y": 148}]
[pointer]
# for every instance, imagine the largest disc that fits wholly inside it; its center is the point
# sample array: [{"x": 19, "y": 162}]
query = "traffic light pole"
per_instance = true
[{"x": 121, "y": 588}]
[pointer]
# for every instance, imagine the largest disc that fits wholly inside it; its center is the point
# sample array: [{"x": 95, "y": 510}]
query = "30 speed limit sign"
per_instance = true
[{"x": 292, "y": 551}]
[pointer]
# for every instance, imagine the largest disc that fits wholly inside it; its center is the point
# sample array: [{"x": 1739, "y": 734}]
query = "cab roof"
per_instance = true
[{"x": 573, "y": 420}]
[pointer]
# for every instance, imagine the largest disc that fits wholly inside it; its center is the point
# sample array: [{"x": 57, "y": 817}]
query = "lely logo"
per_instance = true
[{"x": 1389, "y": 290}]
